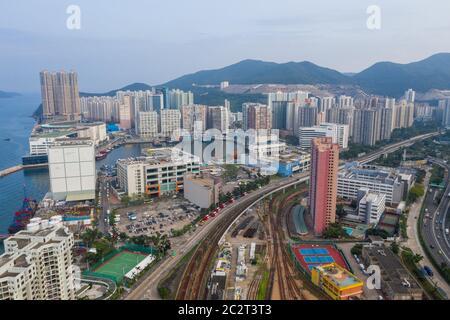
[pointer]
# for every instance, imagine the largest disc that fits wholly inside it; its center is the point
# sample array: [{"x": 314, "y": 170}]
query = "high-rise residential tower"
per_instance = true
[
  {"x": 256, "y": 116},
  {"x": 323, "y": 182},
  {"x": 60, "y": 96}
]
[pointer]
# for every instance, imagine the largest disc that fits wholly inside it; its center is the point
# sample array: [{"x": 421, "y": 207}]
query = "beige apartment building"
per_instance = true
[{"x": 37, "y": 264}]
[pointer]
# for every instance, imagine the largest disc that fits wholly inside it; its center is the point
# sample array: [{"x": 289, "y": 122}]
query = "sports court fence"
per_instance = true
[{"x": 131, "y": 247}]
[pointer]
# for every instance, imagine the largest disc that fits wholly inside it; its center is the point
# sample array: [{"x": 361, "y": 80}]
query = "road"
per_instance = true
[
  {"x": 413, "y": 241},
  {"x": 148, "y": 287},
  {"x": 104, "y": 193},
  {"x": 433, "y": 231}
]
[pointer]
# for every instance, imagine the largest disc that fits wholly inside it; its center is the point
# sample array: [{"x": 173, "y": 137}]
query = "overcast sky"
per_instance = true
[{"x": 153, "y": 41}]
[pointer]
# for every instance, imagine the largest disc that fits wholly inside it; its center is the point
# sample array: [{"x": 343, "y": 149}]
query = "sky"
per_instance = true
[{"x": 153, "y": 41}]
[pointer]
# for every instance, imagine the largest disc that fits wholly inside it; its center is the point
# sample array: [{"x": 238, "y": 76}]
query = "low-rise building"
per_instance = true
[
  {"x": 201, "y": 190},
  {"x": 338, "y": 132},
  {"x": 396, "y": 281},
  {"x": 293, "y": 161},
  {"x": 95, "y": 131},
  {"x": 337, "y": 282},
  {"x": 376, "y": 179},
  {"x": 159, "y": 173},
  {"x": 371, "y": 206}
]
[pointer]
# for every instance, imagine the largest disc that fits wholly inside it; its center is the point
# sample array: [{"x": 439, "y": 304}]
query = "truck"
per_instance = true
[{"x": 446, "y": 231}]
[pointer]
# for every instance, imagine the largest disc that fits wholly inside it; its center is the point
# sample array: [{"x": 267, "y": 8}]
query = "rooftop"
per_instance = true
[
  {"x": 338, "y": 275},
  {"x": 370, "y": 173},
  {"x": 51, "y": 134},
  {"x": 21, "y": 243},
  {"x": 392, "y": 270},
  {"x": 161, "y": 156}
]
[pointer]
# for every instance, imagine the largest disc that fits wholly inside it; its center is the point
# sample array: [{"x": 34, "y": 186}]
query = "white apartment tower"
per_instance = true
[
  {"x": 37, "y": 265},
  {"x": 147, "y": 124},
  {"x": 170, "y": 123}
]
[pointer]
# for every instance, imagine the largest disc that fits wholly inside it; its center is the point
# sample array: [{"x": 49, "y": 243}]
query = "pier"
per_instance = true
[{"x": 20, "y": 167}]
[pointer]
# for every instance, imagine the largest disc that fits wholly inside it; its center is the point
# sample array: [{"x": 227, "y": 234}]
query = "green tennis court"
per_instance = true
[{"x": 119, "y": 265}]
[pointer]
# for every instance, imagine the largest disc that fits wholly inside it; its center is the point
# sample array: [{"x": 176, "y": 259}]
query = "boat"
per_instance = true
[
  {"x": 7, "y": 139},
  {"x": 101, "y": 156},
  {"x": 23, "y": 216}
]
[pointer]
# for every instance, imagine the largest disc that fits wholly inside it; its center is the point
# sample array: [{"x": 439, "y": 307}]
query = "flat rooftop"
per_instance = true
[
  {"x": 21, "y": 243},
  {"x": 161, "y": 156},
  {"x": 338, "y": 275},
  {"x": 392, "y": 270},
  {"x": 369, "y": 173},
  {"x": 52, "y": 134}
]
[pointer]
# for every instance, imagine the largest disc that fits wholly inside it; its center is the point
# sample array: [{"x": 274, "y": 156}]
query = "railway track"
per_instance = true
[
  {"x": 196, "y": 273},
  {"x": 252, "y": 293},
  {"x": 281, "y": 264}
]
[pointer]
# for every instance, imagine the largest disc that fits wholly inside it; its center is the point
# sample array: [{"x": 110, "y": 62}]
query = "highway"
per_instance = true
[
  {"x": 147, "y": 289},
  {"x": 433, "y": 231}
]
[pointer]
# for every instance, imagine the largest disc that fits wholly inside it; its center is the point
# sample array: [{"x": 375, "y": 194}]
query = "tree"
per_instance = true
[
  {"x": 123, "y": 236},
  {"x": 334, "y": 231},
  {"x": 231, "y": 172},
  {"x": 357, "y": 249},
  {"x": 395, "y": 247},
  {"x": 415, "y": 193},
  {"x": 90, "y": 236},
  {"x": 417, "y": 258},
  {"x": 377, "y": 232},
  {"x": 340, "y": 211}
]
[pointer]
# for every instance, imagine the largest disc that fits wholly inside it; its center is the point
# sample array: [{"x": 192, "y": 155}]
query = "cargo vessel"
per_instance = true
[{"x": 23, "y": 216}]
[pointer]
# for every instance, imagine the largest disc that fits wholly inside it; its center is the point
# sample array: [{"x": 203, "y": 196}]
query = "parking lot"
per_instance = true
[{"x": 162, "y": 215}]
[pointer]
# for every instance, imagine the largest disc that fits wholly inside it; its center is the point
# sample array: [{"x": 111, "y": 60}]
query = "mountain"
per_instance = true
[
  {"x": 4, "y": 94},
  {"x": 387, "y": 78},
  {"x": 256, "y": 71},
  {"x": 383, "y": 78},
  {"x": 132, "y": 87}
]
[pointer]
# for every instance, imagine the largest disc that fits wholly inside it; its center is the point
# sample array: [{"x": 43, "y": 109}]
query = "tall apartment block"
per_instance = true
[
  {"x": 37, "y": 264},
  {"x": 178, "y": 98},
  {"x": 323, "y": 182},
  {"x": 218, "y": 117},
  {"x": 194, "y": 118},
  {"x": 60, "y": 96},
  {"x": 147, "y": 124},
  {"x": 256, "y": 116},
  {"x": 170, "y": 123},
  {"x": 104, "y": 109},
  {"x": 305, "y": 116},
  {"x": 366, "y": 126}
]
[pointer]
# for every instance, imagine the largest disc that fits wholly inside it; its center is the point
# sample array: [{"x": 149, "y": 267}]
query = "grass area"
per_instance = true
[
  {"x": 262, "y": 290},
  {"x": 437, "y": 175}
]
